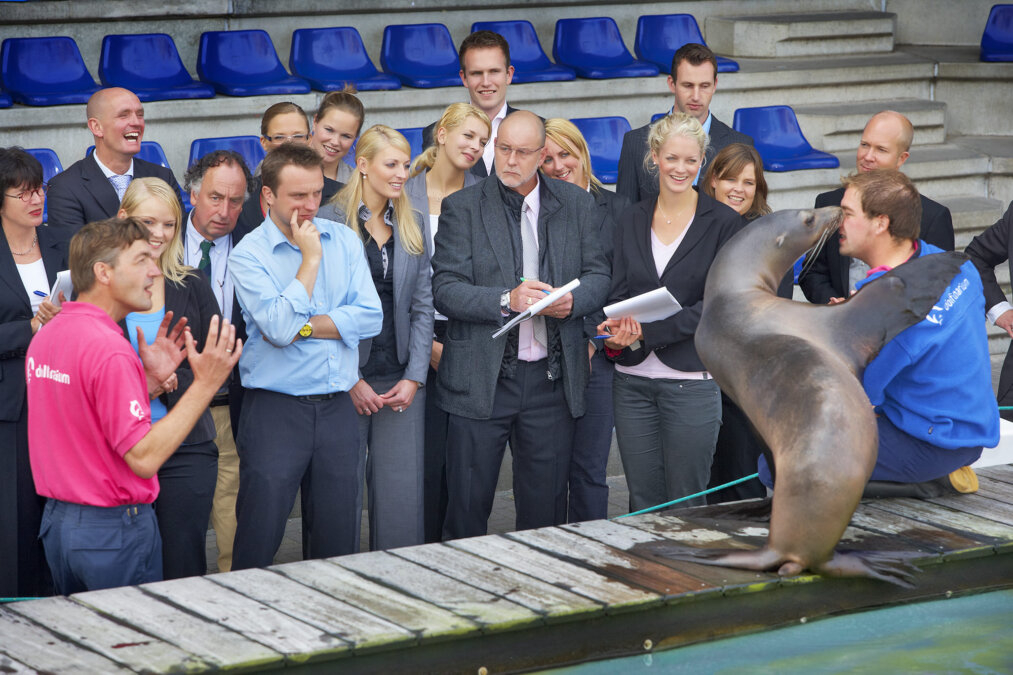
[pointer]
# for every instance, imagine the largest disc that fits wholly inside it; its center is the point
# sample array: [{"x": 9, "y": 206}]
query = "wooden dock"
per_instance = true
[{"x": 504, "y": 603}]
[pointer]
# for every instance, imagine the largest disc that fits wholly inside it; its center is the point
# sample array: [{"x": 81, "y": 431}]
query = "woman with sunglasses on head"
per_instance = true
[
  {"x": 187, "y": 479},
  {"x": 667, "y": 407},
  {"x": 30, "y": 257},
  {"x": 567, "y": 158},
  {"x": 444, "y": 168},
  {"x": 392, "y": 366}
]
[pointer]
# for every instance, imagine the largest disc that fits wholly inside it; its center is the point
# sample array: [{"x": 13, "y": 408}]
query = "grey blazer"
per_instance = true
[
  {"x": 413, "y": 303},
  {"x": 418, "y": 193},
  {"x": 474, "y": 264}
]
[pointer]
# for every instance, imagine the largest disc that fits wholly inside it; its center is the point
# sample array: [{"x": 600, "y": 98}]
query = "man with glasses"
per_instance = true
[
  {"x": 92, "y": 188},
  {"x": 501, "y": 245}
]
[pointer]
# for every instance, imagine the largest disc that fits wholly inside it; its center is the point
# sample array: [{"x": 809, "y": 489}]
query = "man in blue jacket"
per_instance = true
[{"x": 931, "y": 385}]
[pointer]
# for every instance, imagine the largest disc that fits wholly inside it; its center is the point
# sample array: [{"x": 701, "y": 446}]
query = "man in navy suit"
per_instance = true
[
  {"x": 486, "y": 72},
  {"x": 92, "y": 188},
  {"x": 693, "y": 80}
]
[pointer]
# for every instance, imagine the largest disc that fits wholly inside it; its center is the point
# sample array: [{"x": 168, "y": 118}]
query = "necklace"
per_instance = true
[
  {"x": 35, "y": 240},
  {"x": 668, "y": 221}
]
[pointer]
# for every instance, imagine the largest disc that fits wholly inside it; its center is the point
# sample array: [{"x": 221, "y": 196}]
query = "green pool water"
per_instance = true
[{"x": 969, "y": 634}]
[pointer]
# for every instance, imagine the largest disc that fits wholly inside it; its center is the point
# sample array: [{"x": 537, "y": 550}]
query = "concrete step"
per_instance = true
[
  {"x": 838, "y": 127},
  {"x": 971, "y": 215},
  {"x": 802, "y": 34},
  {"x": 1000, "y": 152},
  {"x": 998, "y": 342}
]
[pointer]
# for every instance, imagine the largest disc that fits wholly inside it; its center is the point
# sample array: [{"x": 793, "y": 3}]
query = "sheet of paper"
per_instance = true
[
  {"x": 537, "y": 307},
  {"x": 650, "y": 306},
  {"x": 62, "y": 283}
]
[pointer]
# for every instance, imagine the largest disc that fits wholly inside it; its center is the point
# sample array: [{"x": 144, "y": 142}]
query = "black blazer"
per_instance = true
[
  {"x": 193, "y": 299},
  {"x": 479, "y": 168},
  {"x": 82, "y": 194},
  {"x": 611, "y": 208},
  {"x": 634, "y": 272},
  {"x": 635, "y": 183},
  {"x": 16, "y": 317},
  {"x": 827, "y": 276}
]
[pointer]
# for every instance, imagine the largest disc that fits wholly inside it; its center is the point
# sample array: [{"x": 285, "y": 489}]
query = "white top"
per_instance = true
[
  {"x": 221, "y": 281},
  {"x": 489, "y": 153},
  {"x": 33, "y": 277},
  {"x": 434, "y": 223},
  {"x": 652, "y": 367}
]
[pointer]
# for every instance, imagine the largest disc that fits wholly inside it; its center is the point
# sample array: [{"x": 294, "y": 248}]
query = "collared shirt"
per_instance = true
[
  {"x": 489, "y": 153},
  {"x": 529, "y": 349},
  {"x": 707, "y": 130},
  {"x": 221, "y": 282},
  {"x": 275, "y": 306},
  {"x": 109, "y": 173}
]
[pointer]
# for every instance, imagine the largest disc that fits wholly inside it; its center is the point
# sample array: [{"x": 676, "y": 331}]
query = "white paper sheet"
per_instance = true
[
  {"x": 537, "y": 307},
  {"x": 650, "y": 306},
  {"x": 62, "y": 283}
]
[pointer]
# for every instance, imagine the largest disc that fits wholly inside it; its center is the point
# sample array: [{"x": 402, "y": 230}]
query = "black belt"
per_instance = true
[
  {"x": 220, "y": 399},
  {"x": 313, "y": 398}
]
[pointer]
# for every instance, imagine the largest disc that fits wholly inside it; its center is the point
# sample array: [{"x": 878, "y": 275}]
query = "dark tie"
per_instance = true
[{"x": 205, "y": 258}]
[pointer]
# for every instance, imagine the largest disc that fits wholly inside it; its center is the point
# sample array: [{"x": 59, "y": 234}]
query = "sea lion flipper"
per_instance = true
[
  {"x": 886, "y": 306},
  {"x": 893, "y": 568}
]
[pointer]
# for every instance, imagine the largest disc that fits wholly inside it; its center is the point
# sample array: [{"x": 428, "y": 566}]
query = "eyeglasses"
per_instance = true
[
  {"x": 522, "y": 153},
  {"x": 26, "y": 195},
  {"x": 282, "y": 139}
]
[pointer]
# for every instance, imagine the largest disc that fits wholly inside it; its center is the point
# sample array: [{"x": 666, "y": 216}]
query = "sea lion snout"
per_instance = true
[{"x": 826, "y": 219}]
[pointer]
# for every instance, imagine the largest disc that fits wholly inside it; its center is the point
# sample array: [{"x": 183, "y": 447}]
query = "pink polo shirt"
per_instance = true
[{"x": 87, "y": 406}]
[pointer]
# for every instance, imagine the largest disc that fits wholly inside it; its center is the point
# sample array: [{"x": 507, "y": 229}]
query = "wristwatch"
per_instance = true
[
  {"x": 504, "y": 303},
  {"x": 306, "y": 331}
]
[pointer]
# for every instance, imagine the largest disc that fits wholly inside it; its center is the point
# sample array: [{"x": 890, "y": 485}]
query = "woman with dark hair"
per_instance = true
[
  {"x": 336, "y": 125},
  {"x": 187, "y": 479},
  {"x": 30, "y": 257},
  {"x": 567, "y": 158},
  {"x": 735, "y": 178}
]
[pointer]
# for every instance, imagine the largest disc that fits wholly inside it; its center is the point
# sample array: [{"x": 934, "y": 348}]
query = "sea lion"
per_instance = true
[{"x": 795, "y": 370}]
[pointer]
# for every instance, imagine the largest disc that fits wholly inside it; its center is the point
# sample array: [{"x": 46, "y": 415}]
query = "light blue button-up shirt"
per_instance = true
[{"x": 275, "y": 306}]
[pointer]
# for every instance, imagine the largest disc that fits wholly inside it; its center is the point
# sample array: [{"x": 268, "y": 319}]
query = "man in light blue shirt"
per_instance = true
[{"x": 308, "y": 299}]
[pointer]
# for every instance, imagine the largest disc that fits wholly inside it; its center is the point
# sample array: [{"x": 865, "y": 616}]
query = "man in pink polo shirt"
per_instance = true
[{"x": 93, "y": 449}]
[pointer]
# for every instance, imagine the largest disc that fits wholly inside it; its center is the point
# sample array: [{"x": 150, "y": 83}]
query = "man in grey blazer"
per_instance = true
[
  {"x": 91, "y": 189},
  {"x": 500, "y": 246},
  {"x": 693, "y": 80}
]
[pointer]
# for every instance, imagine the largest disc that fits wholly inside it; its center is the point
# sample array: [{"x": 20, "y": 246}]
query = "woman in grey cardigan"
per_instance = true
[
  {"x": 443, "y": 169},
  {"x": 392, "y": 366}
]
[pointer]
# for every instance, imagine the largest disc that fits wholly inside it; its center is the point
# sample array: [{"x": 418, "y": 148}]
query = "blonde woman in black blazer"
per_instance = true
[{"x": 667, "y": 409}]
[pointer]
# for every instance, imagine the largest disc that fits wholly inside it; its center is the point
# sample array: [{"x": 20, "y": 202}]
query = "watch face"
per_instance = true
[{"x": 306, "y": 330}]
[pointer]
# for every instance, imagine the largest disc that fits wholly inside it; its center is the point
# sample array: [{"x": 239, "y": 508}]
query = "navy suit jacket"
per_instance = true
[
  {"x": 82, "y": 194},
  {"x": 827, "y": 276},
  {"x": 636, "y": 184}
]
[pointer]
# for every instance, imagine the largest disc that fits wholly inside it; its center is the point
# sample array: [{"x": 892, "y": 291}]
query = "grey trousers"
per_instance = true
[
  {"x": 667, "y": 431},
  {"x": 393, "y": 445}
]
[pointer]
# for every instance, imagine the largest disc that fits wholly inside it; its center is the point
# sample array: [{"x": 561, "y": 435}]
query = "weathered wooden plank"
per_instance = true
[
  {"x": 1000, "y": 472},
  {"x": 426, "y": 620},
  {"x": 550, "y": 601},
  {"x": 364, "y": 631},
  {"x": 611, "y": 561},
  {"x": 682, "y": 531},
  {"x": 40, "y": 650},
  {"x": 298, "y": 641},
  {"x": 652, "y": 546},
  {"x": 76, "y": 623},
  {"x": 490, "y": 611},
  {"x": 979, "y": 505},
  {"x": 995, "y": 489},
  {"x": 9, "y": 666},
  {"x": 615, "y": 595},
  {"x": 205, "y": 639},
  {"x": 917, "y": 534},
  {"x": 981, "y": 529}
]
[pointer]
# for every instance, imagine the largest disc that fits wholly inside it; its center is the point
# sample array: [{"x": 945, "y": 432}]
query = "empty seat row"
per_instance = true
[{"x": 51, "y": 71}]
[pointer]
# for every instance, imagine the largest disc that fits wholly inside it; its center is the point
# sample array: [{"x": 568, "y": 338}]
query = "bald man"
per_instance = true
[
  {"x": 885, "y": 144},
  {"x": 91, "y": 188},
  {"x": 500, "y": 246}
]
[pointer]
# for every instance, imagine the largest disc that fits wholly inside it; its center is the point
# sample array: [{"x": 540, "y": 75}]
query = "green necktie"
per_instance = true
[{"x": 205, "y": 258}]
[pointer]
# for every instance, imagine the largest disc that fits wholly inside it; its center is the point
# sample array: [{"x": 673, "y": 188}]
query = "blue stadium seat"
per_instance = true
[
  {"x": 604, "y": 136},
  {"x": 247, "y": 146},
  {"x": 779, "y": 139},
  {"x": 329, "y": 58},
  {"x": 997, "y": 39},
  {"x": 50, "y": 167},
  {"x": 595, "y": 49},
  {"x": 526, "y": 54},
  {"x": 244, "y": 63},
  {"x": 45, "y": 71},
  {"x": 414, "y": 136},
  {"x": 657, "y": 116},
  {"x": 5, "y": 100},
  {"x": 148, "y": 65},
  {"x": 421, "y": 55},
  {"x": 659, "y": 36}
]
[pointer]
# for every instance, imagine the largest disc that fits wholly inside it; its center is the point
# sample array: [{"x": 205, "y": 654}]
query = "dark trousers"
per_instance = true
[
  {"x": 592, "y": 440},
  {"x": 93, "y": 547},
  {"x": 287, "y": 442},
  {"x": 434, "y": 467},
  {"x": 735, "y": 456},
  {"x": 530, "y": 411},
  {"x": 186, "y": 491}
]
